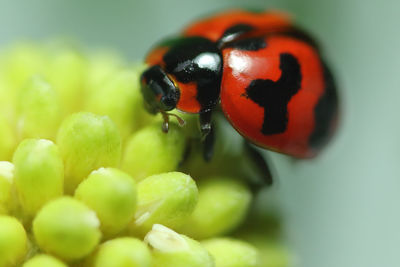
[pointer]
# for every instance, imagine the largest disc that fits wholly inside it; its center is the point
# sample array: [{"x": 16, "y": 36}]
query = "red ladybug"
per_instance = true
[{"x": 267, "y": 75}]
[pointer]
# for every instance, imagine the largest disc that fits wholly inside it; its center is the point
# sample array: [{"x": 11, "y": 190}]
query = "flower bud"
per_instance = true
[
  {"x": 229, "y": 252},
  {"x": 122, "y": 252},
  {"x": 87, "y": 142},
  {"x": 39, "y": 174},
  {"x": 67, "y": 228},
  {"x": 167, "y": 199},
  {"x": 171, "y": 249},
  {"x": 111, "y": 193},
  {"x": 44, "y": 260},
  {"x": 150, "y": 151},
  {"x": 13, "y": 241},
  {"x": 222, "y": 205}
]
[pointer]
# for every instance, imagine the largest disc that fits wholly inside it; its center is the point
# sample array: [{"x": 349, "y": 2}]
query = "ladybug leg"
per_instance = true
[
  {"x": 205, "y": 124},
  {"x": 208, "y": 144},
  {"x": 186, "y": 153},
  {"x": 260, "y": 161},
  {"x": 207, "y": 134}
]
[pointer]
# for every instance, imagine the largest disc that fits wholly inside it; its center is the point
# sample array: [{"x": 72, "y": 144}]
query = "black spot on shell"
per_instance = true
[
  {"x": 248, "y": 44},
  {"x": 233, "y": 33},
  {"x": 182, "y": 61},
  {"x": 275, "y": 96}
]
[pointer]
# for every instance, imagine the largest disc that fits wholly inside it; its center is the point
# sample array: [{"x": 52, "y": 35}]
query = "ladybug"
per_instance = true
[{"x": 265, "y": 74}]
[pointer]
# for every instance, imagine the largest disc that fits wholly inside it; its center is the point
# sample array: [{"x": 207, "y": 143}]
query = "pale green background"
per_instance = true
[{"x": 341, "y": 210}]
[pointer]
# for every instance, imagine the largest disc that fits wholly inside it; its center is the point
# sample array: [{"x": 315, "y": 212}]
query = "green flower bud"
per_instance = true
[
  {"x": 229, "y": 252},
  {"x": 171, "y": 249},
  {"x": 67, "y": 72},
  {"x": 112, "y": 195},
  {"x": 87, "y": 142},
  {"x": 272, "y": 251},
  {"x": 21, "y": 62},
  {"x": 167, "y": 198},
  {"x": 120, "y": 99},
  {"x": 222, "y": 205},
  {"x": 150, "y": 151},
  {"x": 6, "y": 181},
  {"x": 39, "y": 111},
  {"x": 67, "y": 228},
  {"x": 44, "y": 261},
  {"x": 102, "y": 65},
  {"x": 141, "y": 117},
  {"x": 122, "y": 252},
  {"x": 274, "y": 255},
  {"x": 13, "y": 241},
  {"x": 7, "y": 139},
  {"x": 39, "y": 173}
]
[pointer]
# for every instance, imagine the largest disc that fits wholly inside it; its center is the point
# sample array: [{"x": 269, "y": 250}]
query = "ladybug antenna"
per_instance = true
[{"x": 165, "y": 125}]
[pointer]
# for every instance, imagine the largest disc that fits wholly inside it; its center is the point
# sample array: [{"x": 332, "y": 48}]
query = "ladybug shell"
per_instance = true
[
  {"x": 214, "y": 27},
  {"x": 278, "y": 94}
]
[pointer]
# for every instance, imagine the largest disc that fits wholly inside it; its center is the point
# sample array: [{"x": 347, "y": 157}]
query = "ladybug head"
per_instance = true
[
  {"x": 185, "y": 74},
  {"x": 159, "y": 91}
]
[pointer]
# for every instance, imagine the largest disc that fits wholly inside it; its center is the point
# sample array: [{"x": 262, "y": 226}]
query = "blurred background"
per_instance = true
[{"x": 341, "y": 209}]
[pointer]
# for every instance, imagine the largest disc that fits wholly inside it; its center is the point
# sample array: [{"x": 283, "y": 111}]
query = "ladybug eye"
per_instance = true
[{"x": 158, "y": 90}]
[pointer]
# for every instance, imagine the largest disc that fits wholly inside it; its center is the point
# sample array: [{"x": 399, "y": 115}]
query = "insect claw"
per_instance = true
[{"x": 165, "y": 127}]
